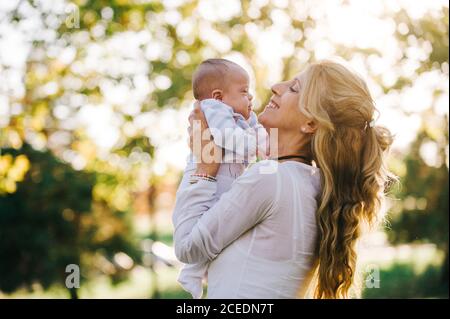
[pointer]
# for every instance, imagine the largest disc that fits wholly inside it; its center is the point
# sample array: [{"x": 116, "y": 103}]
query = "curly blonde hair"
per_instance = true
[{"x": 351, "y": 153}]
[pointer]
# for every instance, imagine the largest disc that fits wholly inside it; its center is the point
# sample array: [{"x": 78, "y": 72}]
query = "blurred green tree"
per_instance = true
[
  {"x": 421, "y": 212},
  {"x": 48, "y": 222}
]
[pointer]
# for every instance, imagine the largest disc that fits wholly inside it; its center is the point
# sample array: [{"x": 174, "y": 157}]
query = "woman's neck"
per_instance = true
[{"x": 293, "y": 144}]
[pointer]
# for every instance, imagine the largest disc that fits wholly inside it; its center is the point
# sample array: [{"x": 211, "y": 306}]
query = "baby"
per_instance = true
[{"x": 222, "y": 87}]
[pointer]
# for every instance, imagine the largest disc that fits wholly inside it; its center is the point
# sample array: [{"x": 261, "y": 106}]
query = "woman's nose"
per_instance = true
[
  {"x": 250, "y": 96},
  {"x": 276, "y": 89}
]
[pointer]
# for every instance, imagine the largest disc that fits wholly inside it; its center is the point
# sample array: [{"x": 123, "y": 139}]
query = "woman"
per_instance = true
[{"x": 267, "y": 235}]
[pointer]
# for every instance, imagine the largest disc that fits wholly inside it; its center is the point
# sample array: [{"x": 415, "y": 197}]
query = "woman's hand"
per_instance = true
[{"x": 207, "y": 154}]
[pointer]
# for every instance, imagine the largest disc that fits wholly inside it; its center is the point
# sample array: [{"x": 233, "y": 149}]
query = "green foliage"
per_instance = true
[
  {"x": 51, "y": 221},
  {"x": 423, "y": 198},
  {"x": 401, "y": 281},
  {"x": 421, "y": 212}
]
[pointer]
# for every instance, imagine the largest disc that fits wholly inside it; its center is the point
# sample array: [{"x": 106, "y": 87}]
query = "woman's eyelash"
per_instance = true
[{"x": 292, "y": 89}]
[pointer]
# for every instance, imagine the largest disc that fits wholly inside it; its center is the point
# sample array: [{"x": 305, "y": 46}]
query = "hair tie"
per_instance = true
[{"x": 369, "y": 124}]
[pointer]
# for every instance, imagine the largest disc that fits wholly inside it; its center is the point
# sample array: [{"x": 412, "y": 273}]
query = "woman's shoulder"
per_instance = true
[
  {"x": 263, "y": 169},
  {"x": 269, "y": 171},
  {"x": 272, "y": 167},
  {"x": 308, "y": 176},
  {"x": 261, "y": 172}
]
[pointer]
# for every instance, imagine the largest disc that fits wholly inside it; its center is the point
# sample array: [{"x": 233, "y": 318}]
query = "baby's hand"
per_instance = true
[
  {"x": 202, "y": 144},
  {"x": 198, "y": 117}
]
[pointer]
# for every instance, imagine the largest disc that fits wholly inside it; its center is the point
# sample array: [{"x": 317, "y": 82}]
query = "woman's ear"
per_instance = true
[
  {"x": 309, "y": 127},
  {"x": 217, "y": 94}
]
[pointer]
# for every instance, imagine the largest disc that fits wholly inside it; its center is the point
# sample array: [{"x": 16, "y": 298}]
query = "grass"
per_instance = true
[
  {"x": 140, "y": 285},
  {"x": 402, "y": 281},
  {"x": 404, "y": 272}
]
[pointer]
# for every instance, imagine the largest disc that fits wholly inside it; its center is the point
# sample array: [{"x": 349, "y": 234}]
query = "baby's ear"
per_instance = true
[{"x": 217, "y": 94}]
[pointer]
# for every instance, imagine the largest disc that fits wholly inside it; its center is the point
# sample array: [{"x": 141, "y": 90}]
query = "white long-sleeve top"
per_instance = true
[{"x": 260, "y": 236}]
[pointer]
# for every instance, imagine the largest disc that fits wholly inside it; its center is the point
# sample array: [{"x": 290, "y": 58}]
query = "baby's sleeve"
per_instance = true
[{"x": 227, "y": 134}]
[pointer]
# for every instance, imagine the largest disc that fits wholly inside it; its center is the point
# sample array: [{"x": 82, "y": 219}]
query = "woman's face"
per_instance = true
[{"x": 283, "y": 111}]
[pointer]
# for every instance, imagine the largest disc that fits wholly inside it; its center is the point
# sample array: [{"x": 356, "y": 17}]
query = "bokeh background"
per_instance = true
[{"x": 94, "y": 99}]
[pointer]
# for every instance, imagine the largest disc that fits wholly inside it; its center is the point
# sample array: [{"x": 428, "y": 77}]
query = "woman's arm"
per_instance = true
[{"x": 203, "y": 227}]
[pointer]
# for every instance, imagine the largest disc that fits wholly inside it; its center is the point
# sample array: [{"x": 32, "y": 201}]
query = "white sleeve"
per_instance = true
[
  {"x": 226, "y": 132},
  {"x": 204, "y": 227}
]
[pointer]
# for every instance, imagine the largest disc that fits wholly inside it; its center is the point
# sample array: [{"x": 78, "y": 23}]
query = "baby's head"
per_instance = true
[{"x": 223, "y": 80}]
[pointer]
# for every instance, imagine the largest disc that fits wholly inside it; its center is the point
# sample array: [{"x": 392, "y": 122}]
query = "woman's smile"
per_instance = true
[{"x": 272, "y": 105}]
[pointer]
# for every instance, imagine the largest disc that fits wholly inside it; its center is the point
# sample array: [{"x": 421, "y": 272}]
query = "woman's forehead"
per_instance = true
[{"x": 300, "y": 77}]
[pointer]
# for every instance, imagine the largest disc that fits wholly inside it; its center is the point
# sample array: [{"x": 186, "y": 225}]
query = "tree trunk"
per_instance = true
[{"x": 73, "y": 293}]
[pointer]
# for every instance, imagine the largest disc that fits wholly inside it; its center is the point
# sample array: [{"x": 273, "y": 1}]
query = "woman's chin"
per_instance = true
[{"x": 264, "y": 119}]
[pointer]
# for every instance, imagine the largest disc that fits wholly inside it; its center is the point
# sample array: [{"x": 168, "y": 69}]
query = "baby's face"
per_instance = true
[{"x": 236, "y": 94}]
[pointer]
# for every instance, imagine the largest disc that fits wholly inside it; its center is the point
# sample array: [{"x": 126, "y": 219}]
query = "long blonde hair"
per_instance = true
[{"x": 350, "y": 151}]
